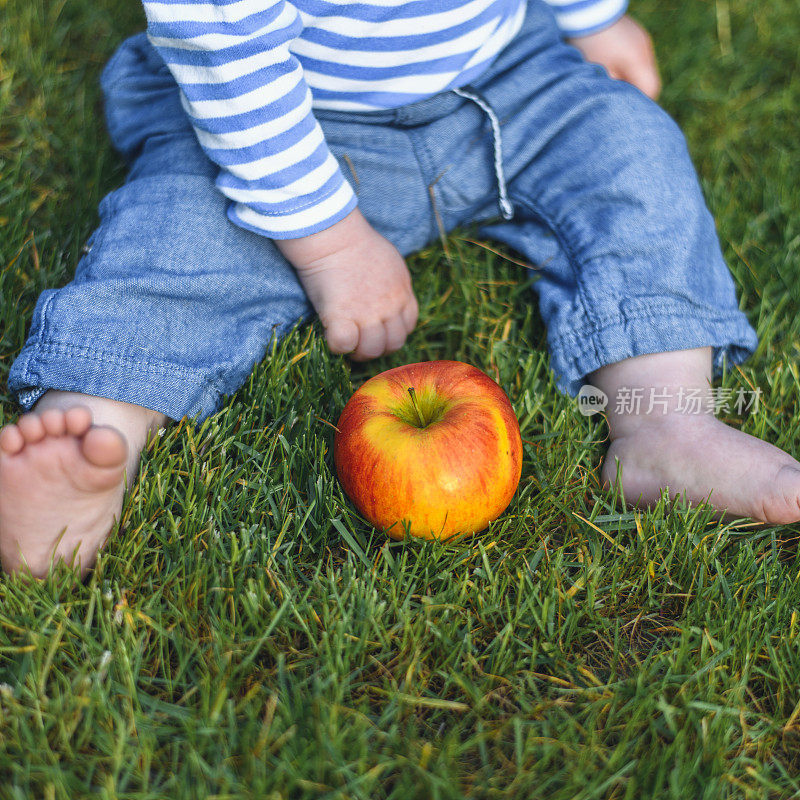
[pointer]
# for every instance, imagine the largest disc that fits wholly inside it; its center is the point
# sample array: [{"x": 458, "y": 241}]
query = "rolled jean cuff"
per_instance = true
[
  {"x": 171, "y": 389},
  {"x": 574, "y": 355}
]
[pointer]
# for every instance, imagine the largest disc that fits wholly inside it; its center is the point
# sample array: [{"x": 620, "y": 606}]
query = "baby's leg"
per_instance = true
[
  {"x": 61, "y": 477},
  {"x": 632, "y": 284},
  {"x": 167, "y": 314}
]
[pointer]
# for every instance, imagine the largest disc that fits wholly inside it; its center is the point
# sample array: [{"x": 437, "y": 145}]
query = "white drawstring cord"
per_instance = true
[{"x": 506, "y": 209}]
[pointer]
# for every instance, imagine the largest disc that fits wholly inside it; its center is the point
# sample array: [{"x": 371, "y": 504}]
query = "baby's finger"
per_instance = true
[
  {"x": 371, "y": 341},
  {"x": 395, "y": 334},
  {"x": 410, "y": 314},
  {"x": 342, "y": 335}
]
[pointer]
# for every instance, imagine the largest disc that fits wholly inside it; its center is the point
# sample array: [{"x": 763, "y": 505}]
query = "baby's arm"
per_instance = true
[
  {"x": 248, "y": 102},
  {"x": 246, "y": 96}
]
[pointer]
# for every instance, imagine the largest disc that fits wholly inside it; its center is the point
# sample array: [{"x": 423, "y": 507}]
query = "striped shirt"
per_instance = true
[{"x": 251, "y": 72}]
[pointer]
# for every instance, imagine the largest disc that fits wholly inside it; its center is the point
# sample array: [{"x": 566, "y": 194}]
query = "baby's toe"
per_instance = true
[
  {"x": 77, "y": 420},
  {"x": 54, "y": 422},
  {"x": 31, "y": 428},
  {"x": 11, "y": 440},
  {"x": 104, "y": 447}
]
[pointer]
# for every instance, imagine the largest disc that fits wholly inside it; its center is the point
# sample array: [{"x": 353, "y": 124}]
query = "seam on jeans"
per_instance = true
[
  {"x": 209, "y": 391},
  {"x": 148, "y": 367},
  {"x": 573, "y": 338},
  {"x": 424, "y": 158},
  {"x": 679, "y": 310},
  {"x": 103, "y": 356},
  {"x": 208, "y": 386},
  {"x": 644, "y": 312},
  {"x": 574, "y": 262},
  {"x": 425, "y": 164}
]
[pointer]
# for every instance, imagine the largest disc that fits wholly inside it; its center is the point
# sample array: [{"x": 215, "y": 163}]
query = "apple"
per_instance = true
[{"x": 432, "y": 448}]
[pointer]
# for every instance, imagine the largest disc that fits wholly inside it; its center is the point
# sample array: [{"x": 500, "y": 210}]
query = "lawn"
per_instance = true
[{"x": 247, "y": 635}]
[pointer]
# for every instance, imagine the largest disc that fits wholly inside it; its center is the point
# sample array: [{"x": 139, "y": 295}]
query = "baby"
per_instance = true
[{"x": 285, "y": 156}]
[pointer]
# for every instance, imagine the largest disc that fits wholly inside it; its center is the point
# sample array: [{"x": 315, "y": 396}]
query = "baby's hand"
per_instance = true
[
  {"x": 626, "y": 51},
  {"x": 359, "y": 285}
]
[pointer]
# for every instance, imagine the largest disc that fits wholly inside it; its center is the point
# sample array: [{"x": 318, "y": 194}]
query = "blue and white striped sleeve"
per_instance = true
[
  {"x": 582, "y": 17},
  {"x": 250, "y": 106}
]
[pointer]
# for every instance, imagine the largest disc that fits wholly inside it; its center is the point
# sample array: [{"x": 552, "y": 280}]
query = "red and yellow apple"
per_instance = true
[{"x": 432, "y": 448}]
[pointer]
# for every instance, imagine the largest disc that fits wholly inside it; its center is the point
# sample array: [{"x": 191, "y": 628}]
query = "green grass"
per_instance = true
[{"x": 246, "y": 635}]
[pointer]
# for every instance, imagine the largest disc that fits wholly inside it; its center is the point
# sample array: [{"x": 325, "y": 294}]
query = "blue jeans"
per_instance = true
[{"x": 173, "y": 305}]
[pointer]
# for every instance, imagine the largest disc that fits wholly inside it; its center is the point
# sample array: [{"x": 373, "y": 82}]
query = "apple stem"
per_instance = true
[{"x": 416, "y": 406}]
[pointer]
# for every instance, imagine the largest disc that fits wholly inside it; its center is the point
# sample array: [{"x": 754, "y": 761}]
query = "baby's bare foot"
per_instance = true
[
  {"x": 61, "y": 487},
  {"x": 702, "y": 459}
]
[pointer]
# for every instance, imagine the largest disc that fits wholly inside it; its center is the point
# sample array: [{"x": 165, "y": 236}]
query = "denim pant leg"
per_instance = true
[
  {"x": 607, "y": 204},
  {"x": 632, "y": 264},
  {"x": 172, "y": 305}
]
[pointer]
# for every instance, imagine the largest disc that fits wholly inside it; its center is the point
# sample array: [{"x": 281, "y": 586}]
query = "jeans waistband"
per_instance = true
[{"x": 419, "y": 113}]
